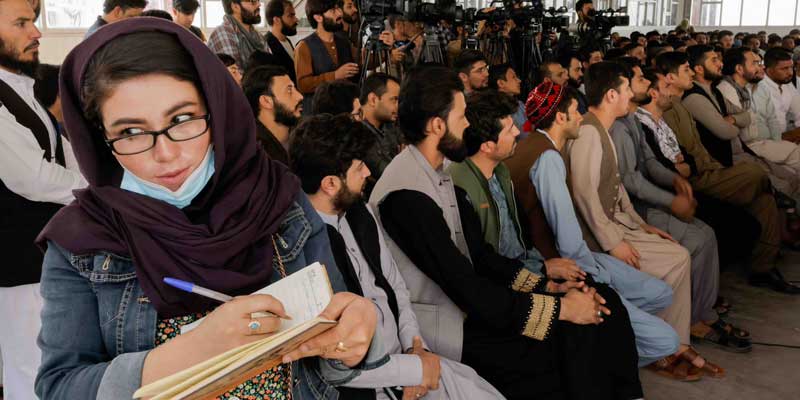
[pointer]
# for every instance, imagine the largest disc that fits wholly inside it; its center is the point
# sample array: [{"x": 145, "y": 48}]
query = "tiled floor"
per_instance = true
[{"x": 766, "y": 373}]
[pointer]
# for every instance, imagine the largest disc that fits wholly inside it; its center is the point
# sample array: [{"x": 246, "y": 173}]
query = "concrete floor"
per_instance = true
[{"x": 767, "y": 372}]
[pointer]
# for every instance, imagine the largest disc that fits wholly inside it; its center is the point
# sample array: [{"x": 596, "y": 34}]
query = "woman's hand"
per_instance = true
[
  {"x": 349, "y": 340},
  {"x": 229, "y": 326}
]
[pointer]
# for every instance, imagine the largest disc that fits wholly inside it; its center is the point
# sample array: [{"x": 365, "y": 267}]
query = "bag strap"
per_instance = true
[{"x": 28, "y": 118}]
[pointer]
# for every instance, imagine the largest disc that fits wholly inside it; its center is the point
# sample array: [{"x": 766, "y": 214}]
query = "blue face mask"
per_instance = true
[
  {"x": 737, "y": 43},
  {"x": 181, "y": 198}
]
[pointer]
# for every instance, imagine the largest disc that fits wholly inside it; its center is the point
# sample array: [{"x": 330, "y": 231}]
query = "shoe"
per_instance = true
[{"x": 775, "y": 280}]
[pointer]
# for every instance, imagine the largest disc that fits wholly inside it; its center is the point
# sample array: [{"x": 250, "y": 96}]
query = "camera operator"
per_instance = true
[{"x": 582, "y": 8}]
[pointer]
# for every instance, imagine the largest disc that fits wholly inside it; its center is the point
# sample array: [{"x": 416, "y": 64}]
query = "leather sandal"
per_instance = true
[
  {"x": 676, "y": 368},
  {"x": 723, "y": 335},
  {"x": 722, "y": 306},
  {"x": 708, "y": 368}
]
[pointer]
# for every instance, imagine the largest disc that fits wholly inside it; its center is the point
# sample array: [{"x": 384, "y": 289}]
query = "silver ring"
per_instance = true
[
  {"x": 599, "y": 314},
  {"x": 254, "y": 325}
]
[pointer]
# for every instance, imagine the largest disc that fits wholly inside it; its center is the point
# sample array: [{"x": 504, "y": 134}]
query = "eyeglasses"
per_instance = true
[
  {"x": 482, "y": 69},
  {"x": 140, "y": 142}
]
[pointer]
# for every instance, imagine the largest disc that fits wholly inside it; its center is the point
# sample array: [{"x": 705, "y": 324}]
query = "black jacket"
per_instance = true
[{"x": 281, "y": 56}]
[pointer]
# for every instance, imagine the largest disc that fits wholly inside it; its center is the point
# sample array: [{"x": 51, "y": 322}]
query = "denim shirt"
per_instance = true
[{"x": 98, "y": 325}]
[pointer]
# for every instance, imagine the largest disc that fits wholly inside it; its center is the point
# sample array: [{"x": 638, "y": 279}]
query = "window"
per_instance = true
[{"x": 745, "y": 12}]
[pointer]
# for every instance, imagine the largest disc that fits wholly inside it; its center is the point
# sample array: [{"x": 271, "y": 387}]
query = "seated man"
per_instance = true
[
  {"x": 327, "y": 154},
  {"x": 472, "y": 69},
  {"x": 504, "y": 79},
  {"x": 742, "y": 185},
  {"x": 277, "y": 105},
  {"x": 606, "y": 215},
  {"x": 488, "y": 182},
  {"x": 474, "y": 305},
  {"x": 670, "y": 211},
  {"x": 337, "y": 97}
]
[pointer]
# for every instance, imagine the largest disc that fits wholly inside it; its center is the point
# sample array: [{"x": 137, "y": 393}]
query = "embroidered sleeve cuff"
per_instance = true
[
  {"x": 544, "y": 311},
  {"x": 527, "y": 281}
]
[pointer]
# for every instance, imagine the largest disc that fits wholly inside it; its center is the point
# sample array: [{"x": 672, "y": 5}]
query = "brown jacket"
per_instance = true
[{"x": 527, "y": 153}]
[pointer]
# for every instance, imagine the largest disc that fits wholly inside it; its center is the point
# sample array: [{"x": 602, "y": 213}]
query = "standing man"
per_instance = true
[
  {"x": 38, "y": 173},
  {"x": 117, "y": 10},
  {"x": 380, "y": 96},
  {"x": 282, "y": 22},
  {"x": 183, "y": 12},
  {"x": 237, "y": 36},
  {"x": 350, "y": 22},
  {"x": 323, "y": 56},
  {"x": 277, "y": 106}
]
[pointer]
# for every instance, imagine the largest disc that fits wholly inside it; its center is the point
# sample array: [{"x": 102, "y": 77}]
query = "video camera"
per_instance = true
[
  {"x": 596, "y": 27},
  {"x": 531, "y": 15}
]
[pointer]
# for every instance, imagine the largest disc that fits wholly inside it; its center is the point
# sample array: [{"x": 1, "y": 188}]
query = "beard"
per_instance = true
[
  {"x": 251, "y": 17},
  {"x": 711, "y": 76},
  {"x": 331, "y": 25},
  {"x": 287, "y": 30},
  {"x": 452, "y": 147},
  {"x": 285, "y": 116},
  {"x": 350, "y": 19},
  {"x": 753, "y": 78},
  {"x": 573, "y": 83},
  {"x": 642, "y": 99},
  {"x": 345, "y": 199},
  {"x": 9, "y": 58}
]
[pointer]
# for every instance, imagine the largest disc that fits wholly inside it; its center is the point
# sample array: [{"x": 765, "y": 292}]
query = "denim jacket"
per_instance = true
[{"x": 98, "y": 326}]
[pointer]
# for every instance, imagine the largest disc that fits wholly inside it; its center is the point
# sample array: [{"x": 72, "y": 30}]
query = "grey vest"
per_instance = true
[{"x": 441, "y": 321}]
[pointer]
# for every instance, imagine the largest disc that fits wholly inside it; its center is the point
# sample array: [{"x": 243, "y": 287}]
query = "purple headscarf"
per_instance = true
[{"x": 226, "y": 246}]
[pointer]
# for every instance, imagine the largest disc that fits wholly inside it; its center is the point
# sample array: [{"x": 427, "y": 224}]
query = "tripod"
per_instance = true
[
  {"x": 432, "y": 51},
  {"x": 376, "y": 53}
]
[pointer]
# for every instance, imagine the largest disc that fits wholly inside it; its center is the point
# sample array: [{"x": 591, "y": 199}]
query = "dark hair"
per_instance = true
[
  {"x": 463, "y": 63},
  {"x": 773, "y": 38},
  {"x": 226, "y": 59},
  {"x": 46, "y": 86},
  {"x": 635, "y": 35},
  {"x": 670, "y": 62},
  {"x": 544, "y": 70},
  {"x": 275, "y": 8},
  {"x": 601, "y": 78},
  {"x": 697, "y": 54},
  {"x": 129, "y": 56},
  {"x": 565, "y": 58},
  {"x": 376, "y": 83},
  {"x": 226, "y": 5},
  {"x": 630, "y": 47},
  {"x": 485, "y": 109},
  {"x": 652, "y": 75},
  {"x": 426, "y": 92},
  {"x": 732, "y": 58},
  {"x": 325, "y": 145},
  {"x": 186, "y": 6},
  {"x": 334, "y": 97},
  {"x": 317, "y": 7},
  {"x": 652, "y": 33},
  {"x": 155, "y": 13},
  {"x": 258, "y": 82},
  {"x": 628, "y": 64},
  {"x": 613, "y": 53},
  {"x": 259, "y": 58},
  {"x": 110, "y": 5},
  {"x": 725, "y": 33},
  {"x": 749, "y": 38},
  {"x": 580, "y": 3},
  {"x": 776, "y": 55},
  {"x": 563, "y": 107},
  {"x": 496, "y": 73}
]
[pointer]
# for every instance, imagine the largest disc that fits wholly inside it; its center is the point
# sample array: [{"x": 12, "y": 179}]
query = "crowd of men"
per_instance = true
[{"x": 583, "y": 224}]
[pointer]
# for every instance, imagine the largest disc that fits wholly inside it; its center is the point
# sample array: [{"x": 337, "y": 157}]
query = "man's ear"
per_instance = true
[
  {"x": 488, "y": 147},
  {"x": 372, "y": 100},
  {"x": 266, "y": 102},
  {"x": 436, "y": 126},
  {"x": 330, "y": 185},
  {"x": 464, "y": 77}
]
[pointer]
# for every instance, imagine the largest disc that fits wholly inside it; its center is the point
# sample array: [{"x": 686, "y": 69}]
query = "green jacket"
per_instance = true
[{"x": 467, "y": 176}]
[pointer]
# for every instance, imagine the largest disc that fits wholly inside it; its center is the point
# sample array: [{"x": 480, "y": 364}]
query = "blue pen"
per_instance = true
[{"x": 211, "y": 294}]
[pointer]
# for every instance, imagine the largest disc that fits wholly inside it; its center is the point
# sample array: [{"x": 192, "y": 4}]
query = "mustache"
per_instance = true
[{"x": 33, "y": 45}]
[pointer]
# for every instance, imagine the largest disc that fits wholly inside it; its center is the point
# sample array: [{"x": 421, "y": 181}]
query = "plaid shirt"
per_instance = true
[{"x": 226, "y": 39}]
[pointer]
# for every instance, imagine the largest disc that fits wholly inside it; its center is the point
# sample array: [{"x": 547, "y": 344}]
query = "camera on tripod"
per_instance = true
[{"x": 596, "y": 28}]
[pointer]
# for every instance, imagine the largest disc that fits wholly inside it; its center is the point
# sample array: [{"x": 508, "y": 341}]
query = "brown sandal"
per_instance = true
[
  {"x": 708, "y": 368},
  {"x": 676, "y": 368}
]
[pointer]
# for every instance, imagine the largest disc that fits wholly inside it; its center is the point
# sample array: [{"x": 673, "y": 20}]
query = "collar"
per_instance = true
[
  {"x": 437, "y": 177},
  {"x": 548, "y": 137},
  {"x": 771, "y": 83},
  {"x": 330, "y": 219},
  {"x": 16, "y": 79}
]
